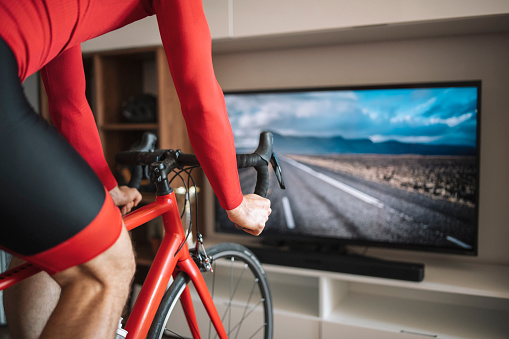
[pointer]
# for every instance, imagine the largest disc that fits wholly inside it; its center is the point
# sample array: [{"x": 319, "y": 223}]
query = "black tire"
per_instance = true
[{"x": 246, "y": 309}]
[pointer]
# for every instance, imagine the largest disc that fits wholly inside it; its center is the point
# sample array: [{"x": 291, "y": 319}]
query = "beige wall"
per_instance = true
[{"x": 473, "y": 57}]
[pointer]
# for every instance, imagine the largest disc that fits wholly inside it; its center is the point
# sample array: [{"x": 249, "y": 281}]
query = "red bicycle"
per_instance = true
[{"x": 227, "y": 279}]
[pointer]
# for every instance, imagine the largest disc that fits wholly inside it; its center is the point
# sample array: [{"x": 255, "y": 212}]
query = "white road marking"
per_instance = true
[
  {"x": 348, "y": 189},
  {"x": 458, "y": 242},
  {"x": 290, "y": 223}
]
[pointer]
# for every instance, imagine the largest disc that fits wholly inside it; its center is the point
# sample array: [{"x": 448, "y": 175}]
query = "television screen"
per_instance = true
[{"x": 392, "y": 166}]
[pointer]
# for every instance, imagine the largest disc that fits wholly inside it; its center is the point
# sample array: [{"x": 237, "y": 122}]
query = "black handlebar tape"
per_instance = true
[
  {"x": 262, "y": 172},
  {"x": 127, "y": 158},
  {"x": 138, "y": 158},
  {"x": 136, "y": 176},
  {"x": 262, "y": 181},
  {"x": 187, "y": 160},
  {"x": 249, "y": 160}
]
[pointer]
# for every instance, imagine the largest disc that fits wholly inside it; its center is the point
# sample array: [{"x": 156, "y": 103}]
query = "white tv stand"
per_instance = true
[{"x": 459, "y": 300}]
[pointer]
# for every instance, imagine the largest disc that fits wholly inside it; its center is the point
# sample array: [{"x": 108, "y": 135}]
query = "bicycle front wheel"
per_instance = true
[{"x": 238, "y": 285}]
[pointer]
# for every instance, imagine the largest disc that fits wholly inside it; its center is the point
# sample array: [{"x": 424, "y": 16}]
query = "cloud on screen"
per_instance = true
[{"x": 429, "y": 115}]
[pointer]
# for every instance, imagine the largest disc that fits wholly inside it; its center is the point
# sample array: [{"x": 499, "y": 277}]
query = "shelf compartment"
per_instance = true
[
  {"x": 401, "y": 310},
  {"x": 129, "y": 127},
  {"x": 294, "y": 294},
  {"x": 120, "y": 77}
]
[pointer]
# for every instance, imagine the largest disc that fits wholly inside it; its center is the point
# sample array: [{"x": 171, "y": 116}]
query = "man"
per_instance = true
[{"x": 58, "y": 196}]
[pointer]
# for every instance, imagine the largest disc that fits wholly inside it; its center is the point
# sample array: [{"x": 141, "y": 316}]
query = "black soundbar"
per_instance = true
[{"x": 342, "y": 263}]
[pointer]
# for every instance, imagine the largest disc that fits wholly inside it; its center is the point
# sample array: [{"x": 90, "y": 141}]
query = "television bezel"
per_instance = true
[{"x": 327, "y": 244}]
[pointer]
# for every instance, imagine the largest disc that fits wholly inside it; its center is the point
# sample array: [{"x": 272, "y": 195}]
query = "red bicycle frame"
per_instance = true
[{"x": 162, "y": 269}]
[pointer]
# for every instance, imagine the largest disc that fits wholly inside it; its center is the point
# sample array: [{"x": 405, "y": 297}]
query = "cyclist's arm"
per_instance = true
[
  {"x": 187, "y": 42},
  {"x": 64, "y": 81}
]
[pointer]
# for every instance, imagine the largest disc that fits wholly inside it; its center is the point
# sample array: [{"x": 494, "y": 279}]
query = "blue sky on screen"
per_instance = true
[{"x": 427, "y": 116}]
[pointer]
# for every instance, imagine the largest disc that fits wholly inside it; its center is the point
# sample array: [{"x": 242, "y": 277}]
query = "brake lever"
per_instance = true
[{"x": 277, "y": 169}]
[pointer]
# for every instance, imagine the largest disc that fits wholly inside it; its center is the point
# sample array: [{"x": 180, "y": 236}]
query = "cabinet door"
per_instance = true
[
  {"x": 291, "y": 326},
  {"x": 338, "y": 331}
]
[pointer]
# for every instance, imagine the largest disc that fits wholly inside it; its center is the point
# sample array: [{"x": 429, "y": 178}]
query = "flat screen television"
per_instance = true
[{"x": 393, "y": 166}]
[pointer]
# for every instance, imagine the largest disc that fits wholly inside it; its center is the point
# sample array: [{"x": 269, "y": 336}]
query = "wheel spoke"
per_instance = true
[
  {"x": 233, "y": 291},
  {"x": 246, "y": 314},
  {"x": 253, "y": 286}
]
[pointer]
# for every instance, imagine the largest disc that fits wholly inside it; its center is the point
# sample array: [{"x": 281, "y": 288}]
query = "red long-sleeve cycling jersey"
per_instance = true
[{"x": 46, "y": 35}]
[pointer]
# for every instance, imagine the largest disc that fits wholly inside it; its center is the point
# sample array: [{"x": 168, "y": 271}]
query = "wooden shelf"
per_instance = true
[{"x": 130, "y": 127}]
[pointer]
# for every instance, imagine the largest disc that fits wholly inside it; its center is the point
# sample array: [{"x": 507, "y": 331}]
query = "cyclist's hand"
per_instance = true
[
  {"x": 126, "y": 197},
  {"x": 252, "y": 214}
]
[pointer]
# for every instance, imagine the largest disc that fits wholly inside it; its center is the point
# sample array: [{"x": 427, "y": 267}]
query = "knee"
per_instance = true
[
  {"x": 112, "y": 270},
  {"x": 116, "y": 267},
  {"x": 118, "y": 271}
]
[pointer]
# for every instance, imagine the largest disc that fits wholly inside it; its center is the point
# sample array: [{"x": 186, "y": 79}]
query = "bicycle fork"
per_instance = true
[{"x": 189, "y": 267}]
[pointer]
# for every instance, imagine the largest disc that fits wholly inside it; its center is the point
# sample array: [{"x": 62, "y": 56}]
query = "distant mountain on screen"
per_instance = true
[{"x": 338, "y": 144}]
